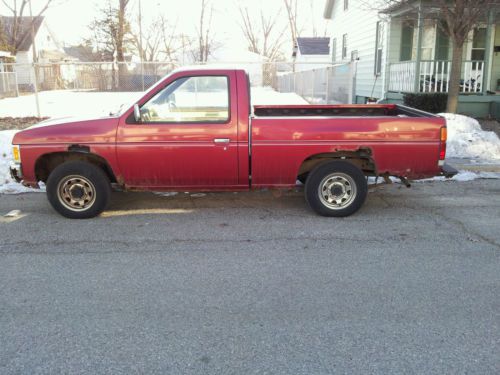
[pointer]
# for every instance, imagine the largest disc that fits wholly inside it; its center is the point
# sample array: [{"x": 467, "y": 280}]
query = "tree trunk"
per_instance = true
[{"x": 455, "y": 77}]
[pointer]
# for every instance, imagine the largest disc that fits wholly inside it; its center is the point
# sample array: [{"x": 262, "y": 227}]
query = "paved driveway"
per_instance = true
[{"x": 252, "y": 283}]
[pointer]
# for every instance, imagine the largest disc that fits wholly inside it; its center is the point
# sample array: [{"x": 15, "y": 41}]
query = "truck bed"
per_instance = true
[{"x": 351, "y": 110}]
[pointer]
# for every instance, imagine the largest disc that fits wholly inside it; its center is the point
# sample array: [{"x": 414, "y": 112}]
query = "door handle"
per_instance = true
[{"x": 224, "y": 141}]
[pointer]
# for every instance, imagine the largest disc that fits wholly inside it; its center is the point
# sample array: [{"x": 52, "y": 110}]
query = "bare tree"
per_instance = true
[
  {"x": 16, "y": 32},
  {"x": 459, "y": 18},
  {"x": 111, "y": 36},
  {"x": 292, "y": 14},
  {"x": 263, "y": 37},
  {"x": 4, "y": 46},
  {"x": 149, "y": 47},
  {"x": 123, "y": 28},
  {"x": 204, "y": 30}
]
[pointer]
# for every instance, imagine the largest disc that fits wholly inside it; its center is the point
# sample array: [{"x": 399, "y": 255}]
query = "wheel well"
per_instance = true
[
  {"x": 360, "y": 158},
  {"x": 48, "y": 162}
]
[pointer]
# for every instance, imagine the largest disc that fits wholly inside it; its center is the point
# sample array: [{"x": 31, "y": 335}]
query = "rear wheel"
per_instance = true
[
  {"x": 336, "y": 189},
  {"x": 78, "y": 190}
]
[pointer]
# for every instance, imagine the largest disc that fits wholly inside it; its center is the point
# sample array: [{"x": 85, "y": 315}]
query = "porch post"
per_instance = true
[
  {"x": 418, "y": 57},
  {"x": 487, "y": 53}
]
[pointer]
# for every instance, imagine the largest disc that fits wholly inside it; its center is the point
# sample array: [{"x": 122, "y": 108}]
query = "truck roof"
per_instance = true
[{"x": 208, "y": 68}]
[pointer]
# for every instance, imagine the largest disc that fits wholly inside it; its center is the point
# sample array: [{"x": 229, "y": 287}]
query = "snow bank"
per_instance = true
[
  {"x": 268, "y": 96},
  {"x": 62, "y": 103},
  {"x": 467, "y": 140},
  {"x": 7, "y": 184}
]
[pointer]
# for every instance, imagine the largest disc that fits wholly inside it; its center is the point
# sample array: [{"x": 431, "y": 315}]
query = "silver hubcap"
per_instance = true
[
  {"x": 76, "y": 193},
  {"x": 337, "y": 191}
]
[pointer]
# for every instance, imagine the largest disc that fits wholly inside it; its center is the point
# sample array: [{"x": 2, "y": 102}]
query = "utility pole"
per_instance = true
[{"x": 35, "y": 60}]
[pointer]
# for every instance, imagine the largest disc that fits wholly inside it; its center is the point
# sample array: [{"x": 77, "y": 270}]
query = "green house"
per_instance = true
[{"x": 403, "y": 49}]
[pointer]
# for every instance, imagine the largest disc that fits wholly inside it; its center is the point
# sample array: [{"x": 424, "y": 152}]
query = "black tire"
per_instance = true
[
  {"x": 88, "y": 183},
  {"x": 343, "y": 186}
]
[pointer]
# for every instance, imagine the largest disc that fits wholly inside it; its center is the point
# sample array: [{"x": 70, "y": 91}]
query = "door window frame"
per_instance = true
[{"x": 130, "y": 120}]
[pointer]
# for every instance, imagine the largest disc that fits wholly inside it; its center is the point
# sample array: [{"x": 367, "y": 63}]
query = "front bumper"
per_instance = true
[
  {"x": 448, "y": 171},
  {"x": 16, "y": 172}
]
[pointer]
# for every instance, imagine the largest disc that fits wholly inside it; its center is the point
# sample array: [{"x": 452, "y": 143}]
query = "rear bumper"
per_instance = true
[{"x": 448, "y": 171}]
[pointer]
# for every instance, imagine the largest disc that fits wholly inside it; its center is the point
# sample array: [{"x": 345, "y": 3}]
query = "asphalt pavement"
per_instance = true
[{"x": 254, "y": 283}]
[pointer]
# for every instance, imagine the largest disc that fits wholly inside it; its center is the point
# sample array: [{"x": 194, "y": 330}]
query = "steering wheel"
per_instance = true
[
  {"x": 145, "y": 115},
  {"x": 171, "y": 106}
]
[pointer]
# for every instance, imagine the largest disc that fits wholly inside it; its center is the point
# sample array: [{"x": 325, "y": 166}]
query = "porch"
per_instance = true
[
  {"x": 430, "y": 76},
  {"x": 419, "y": 53}
]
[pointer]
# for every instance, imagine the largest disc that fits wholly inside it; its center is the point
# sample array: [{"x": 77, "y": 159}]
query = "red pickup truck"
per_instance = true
[{"x": 195, "y": 130}]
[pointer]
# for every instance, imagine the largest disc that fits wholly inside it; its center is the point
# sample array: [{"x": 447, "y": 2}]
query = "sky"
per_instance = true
[{"x": 69, "y": 19}]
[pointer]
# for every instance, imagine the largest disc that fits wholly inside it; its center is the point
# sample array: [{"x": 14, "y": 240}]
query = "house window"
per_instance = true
[
  {"x": 479, "y": 44},
  {"x": 344, "y": 46},
  {"x": 378, "y": 48},
  {"x": 442, "y": 44},
  {"x": 346, "y": 4},
  {"x": 334, "y": 49},
  {"x": 406, "y": 41}
]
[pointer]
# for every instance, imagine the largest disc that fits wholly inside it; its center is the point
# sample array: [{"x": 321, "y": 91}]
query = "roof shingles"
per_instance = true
[{"x": 314, "y": 46}]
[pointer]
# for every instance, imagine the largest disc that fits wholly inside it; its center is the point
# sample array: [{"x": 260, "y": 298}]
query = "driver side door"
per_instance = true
[{"x": 187, "y": 135}]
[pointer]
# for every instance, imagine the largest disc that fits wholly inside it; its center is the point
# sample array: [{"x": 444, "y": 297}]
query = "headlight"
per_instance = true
[{"x": 16, "y": 154}]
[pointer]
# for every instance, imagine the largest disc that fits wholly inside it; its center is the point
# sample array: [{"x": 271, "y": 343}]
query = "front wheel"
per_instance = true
[
  {"x": 336, "y": 188},
  {"x": 78, "y": 190}
]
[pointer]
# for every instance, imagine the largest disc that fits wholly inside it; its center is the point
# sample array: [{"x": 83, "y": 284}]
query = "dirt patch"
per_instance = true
[
  {"x": 490, "y": 125},
  {"x": 9, "y": 123}
]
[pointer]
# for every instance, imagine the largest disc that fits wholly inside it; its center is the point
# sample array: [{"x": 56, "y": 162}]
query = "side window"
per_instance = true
[
  {"x": 344, "y": 46},
  {"x": 190, "y": 99},
  {"x": 334, "y": 49},
  {"x": 407, "y": 32},
  {"x": 378, "y": 48},
  {"x": 479, "y": 44}
]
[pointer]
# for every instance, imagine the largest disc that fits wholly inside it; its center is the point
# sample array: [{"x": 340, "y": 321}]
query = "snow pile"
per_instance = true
[
  {"x": 465, "y": 176},
  {"x": 62, "y": 103},
  {"x": 268, "y": 96},
  {"x": 467, "y": 140},
  {"x": 7, "y": 184}
]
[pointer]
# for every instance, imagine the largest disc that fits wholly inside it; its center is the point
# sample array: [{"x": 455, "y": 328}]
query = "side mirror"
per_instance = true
[{"x": 137, "y": 113}]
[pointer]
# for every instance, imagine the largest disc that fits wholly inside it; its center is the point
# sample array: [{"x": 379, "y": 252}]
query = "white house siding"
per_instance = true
[
  {"x": 359, "y": 23},
  {"x": 25, "y": 75}
]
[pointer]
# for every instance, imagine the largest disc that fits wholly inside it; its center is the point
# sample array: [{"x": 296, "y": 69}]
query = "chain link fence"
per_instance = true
[
  {"x": 51, "y": 89},
  {"x": 324, "y": 85}
]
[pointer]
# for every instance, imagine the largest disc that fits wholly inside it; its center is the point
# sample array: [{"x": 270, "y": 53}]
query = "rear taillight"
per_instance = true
[{"x": 442, "y": 143}]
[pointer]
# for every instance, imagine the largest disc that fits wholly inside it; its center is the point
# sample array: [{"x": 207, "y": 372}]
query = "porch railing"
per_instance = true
[{"x": 434, "y": 76}]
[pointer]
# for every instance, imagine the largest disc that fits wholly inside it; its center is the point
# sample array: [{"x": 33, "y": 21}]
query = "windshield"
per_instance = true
[
  {"x": 118, "y": 110},
  {"x": 125, "y": 104}
]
